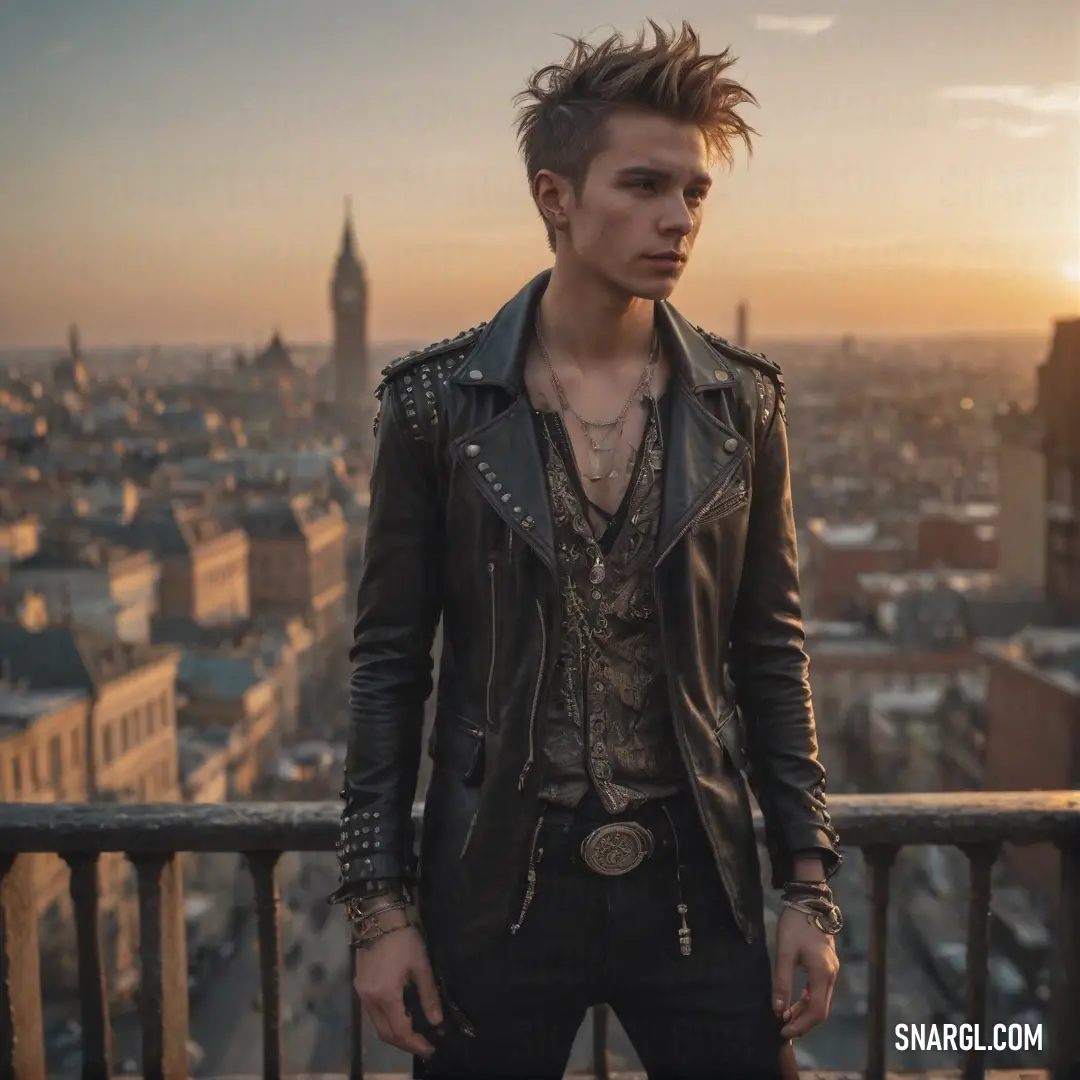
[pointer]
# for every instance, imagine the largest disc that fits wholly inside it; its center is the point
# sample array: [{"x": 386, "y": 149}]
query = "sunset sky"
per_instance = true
[{"x": 175, "y": 171}]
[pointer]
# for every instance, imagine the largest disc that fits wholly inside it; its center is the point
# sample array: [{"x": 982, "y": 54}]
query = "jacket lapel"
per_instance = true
[
  {"x": 503, "y": 460},
  {"x": 503, "y": 457},
  {"x": 701, "y": 452}
]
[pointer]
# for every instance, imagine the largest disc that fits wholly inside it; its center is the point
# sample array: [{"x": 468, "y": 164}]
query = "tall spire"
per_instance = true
[{"x": 348, "y": 242}]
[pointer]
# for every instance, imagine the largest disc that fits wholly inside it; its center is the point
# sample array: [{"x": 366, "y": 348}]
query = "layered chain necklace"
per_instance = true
[{"x": 601, "y": 455}]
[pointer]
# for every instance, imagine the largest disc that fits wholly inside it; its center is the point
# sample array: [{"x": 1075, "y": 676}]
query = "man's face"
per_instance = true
[{"x": 641, "y": 201}]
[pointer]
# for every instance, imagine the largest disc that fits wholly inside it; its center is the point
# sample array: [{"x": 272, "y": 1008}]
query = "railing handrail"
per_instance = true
[{"x": 949, "y": 818}]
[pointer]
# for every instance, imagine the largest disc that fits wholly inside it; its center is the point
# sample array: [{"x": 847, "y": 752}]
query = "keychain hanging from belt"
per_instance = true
[{"x": 684, "y": 928}]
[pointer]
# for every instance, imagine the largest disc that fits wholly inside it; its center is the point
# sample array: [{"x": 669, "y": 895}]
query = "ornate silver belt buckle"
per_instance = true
[{"x": 617, "y": 848}]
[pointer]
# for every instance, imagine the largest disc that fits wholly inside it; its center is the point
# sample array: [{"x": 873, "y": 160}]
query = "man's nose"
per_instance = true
[{"x": 677, "y": 220}]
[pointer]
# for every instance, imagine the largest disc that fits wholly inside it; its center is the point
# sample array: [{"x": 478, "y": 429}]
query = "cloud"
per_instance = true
[
  {"x": 1059, "y": 100},
  {"x": 1004, "y": 127},
  {"x": 807, "y": 25}
]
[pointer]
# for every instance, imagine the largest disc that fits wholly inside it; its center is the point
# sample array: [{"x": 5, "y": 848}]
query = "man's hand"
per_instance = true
[
  {"x": 801, "y": 944},
  {"x": 382, "y": 971}
]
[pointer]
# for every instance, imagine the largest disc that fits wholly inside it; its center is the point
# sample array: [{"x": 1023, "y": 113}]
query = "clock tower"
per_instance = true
[{"x": 349, "y": 303}]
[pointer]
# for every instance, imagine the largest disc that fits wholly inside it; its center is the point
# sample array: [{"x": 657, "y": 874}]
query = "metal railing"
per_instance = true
[{"x": 880, "y": 825}]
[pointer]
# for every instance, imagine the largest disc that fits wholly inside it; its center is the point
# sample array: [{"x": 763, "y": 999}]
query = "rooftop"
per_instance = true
[
  {"x": 274, "y": 519},
  {"x": 77, "y": 553},
  {"x": 1046, "y": 652},
  {"x": 914, "y": 699},
  {"x": 198, "y": 746},
  {"x": 69, "y": 657},
  {"x": 901, "y": 581},
  {"x": 218, "y": 676},
  {"x": 865, "y": 534},
  {"x": 171, "y": 529},
  {"x": 971, "y": 511},
  {"x": 20, "y": 708}
]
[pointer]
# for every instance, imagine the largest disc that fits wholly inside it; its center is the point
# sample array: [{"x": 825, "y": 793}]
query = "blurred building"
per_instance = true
[
  {"x": 1059, "y": 404},
  {"x": 93, "y": 718},
  {"x": 1022, "y": 513},
  {"x": 349, "y": 300},
  {"x": 1033, "y": 729},
  {"x": 233, "y": 701},
  {"x": 298, "y": 562},
  {"x": 69, "y": 372},
  {"x": 204, "y": 561},
  {"x": 93, "y": 583},
  {"x": 837, "y": 555},
  {"x": 19, "y": 536},
  {"x": 742, "y": 325},
  {"x": 963, "y": 537}
]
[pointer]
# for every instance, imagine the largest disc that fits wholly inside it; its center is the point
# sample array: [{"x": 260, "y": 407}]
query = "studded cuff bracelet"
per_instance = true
[{"x": 360, "y": 838}]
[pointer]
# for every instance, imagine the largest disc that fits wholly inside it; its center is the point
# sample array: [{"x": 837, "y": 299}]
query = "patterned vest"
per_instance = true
[{"x": 611, "y": 726}]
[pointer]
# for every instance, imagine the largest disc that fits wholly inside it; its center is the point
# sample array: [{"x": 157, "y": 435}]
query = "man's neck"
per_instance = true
[{"x": 591, "y": 322}]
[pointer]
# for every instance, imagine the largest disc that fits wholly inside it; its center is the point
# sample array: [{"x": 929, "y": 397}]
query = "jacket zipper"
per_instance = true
[
  {"x": 468, "y": 834},
  {"x": 721, "y": 489},
  {"x": 535, "y": 698},
  {"x": 494, "y": 643},
  {"x": 714, "y": 510},
  {"x": 535, "y": 855}
]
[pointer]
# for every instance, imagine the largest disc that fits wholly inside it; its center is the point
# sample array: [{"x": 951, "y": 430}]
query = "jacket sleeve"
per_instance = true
[
  {"x": 399, "y": 603},
  {"x": 769, "y": 662}
]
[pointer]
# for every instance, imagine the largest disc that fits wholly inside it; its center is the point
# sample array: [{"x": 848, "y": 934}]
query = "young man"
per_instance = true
[{"x": 594, "y": 497}]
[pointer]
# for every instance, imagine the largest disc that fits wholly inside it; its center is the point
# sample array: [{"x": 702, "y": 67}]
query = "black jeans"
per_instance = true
[{"x": 590, "y": 939}]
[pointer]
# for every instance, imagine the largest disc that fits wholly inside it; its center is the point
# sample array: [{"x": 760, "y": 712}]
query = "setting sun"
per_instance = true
[{"x": 1072, "y": 270}]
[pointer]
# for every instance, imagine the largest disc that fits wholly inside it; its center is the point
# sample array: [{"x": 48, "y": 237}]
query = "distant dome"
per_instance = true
[{"x": 275, "y": 358}]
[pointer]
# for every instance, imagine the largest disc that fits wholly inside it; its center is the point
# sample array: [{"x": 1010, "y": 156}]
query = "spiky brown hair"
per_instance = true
[{"x": 561, "y": 125}]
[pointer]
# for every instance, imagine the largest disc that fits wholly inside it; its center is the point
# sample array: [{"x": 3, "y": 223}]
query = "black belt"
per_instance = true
[
  {"x": 616, "y": 847},
  {"x": 612, "y": 848}
]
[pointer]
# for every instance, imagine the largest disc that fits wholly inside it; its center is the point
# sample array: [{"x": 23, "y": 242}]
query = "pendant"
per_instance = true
[
  {"x": 598, "y": 468},
  {"x": 597, "y": 573}
]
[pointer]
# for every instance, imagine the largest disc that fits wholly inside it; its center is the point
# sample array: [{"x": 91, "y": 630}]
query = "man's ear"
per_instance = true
[{"x": 553, "y": 194}]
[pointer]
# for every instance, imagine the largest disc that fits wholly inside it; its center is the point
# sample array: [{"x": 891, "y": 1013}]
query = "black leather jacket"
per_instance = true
[{"x": 460, "y": 527}]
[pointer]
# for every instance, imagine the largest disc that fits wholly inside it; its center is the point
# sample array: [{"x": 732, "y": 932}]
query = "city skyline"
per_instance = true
[{"x": 177, "y": 175}]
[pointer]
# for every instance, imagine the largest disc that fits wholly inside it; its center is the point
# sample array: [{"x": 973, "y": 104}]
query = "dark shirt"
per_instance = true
[{"x": 610, "y": 729}]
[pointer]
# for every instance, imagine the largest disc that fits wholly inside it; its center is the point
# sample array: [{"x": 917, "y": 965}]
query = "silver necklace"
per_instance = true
[{"x": 601, "y": 457}]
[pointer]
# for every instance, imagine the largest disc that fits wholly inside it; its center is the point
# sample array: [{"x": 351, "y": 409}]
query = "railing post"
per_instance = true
[
  {"x": 600, "y": 1018},
  {"x": 1066, "y": 1002},
  {"x": 22, "y": 1038},
  {"x": 163, "y": 981},
  {"x": 879, "y": 859},
  {"x": 981, "y": 858},
  {"x": 263, "y": 866},
  {"x": 93, "y": 1000}
]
